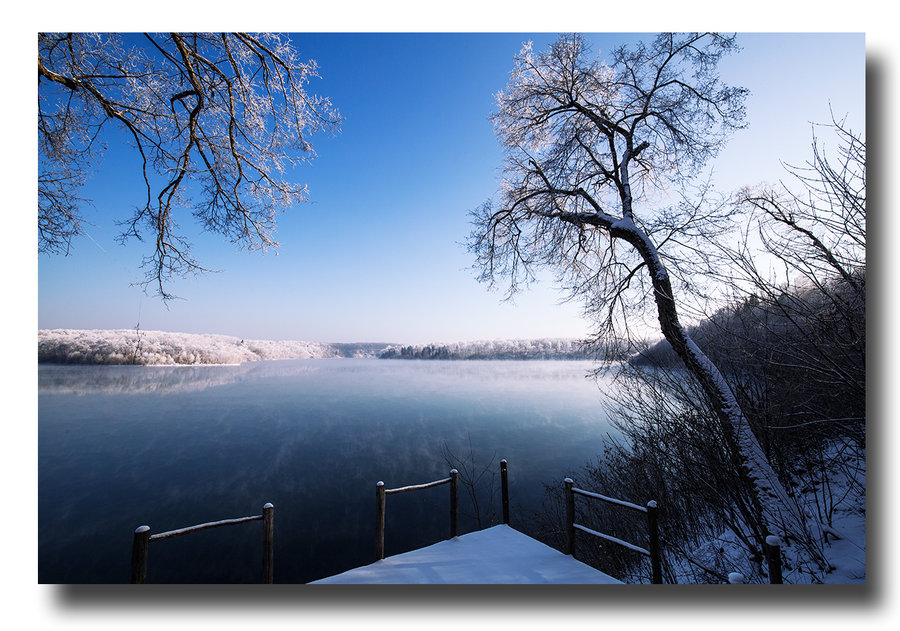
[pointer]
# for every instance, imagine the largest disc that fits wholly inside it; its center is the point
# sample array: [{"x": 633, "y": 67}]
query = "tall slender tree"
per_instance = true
[{"x": 599, "y": 160}]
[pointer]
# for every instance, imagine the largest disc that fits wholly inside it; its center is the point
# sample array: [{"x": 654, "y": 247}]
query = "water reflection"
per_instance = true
[
  {"x": 76, "y": 379},
  {"x": 82, "y": 379}
]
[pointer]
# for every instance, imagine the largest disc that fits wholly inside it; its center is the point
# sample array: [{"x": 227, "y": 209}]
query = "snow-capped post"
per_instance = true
[
  {"x": 139, "y": 548},
  {"x": 736, "y": 578},
  {"x": 379, "y": 520},
  {"x": 773, "y": 556},
  {"x": 268, "y": 515},
  {"x": 653, "y": 528},
  {"x": 454, "y": 502},
  {"x": 504, "y": 490},
  {"x": 570, "y": 516}
]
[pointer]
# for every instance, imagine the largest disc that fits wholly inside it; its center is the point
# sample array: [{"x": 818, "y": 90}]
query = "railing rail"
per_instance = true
[
  {"x": 207, "y": 525},
  {"x": 416, "y": 487},
  {"x": 142, "y": 538},
  {"x": 609, "y": 500},
  {"x": 651, "y": 510},
  {"x": 612, "y": 539}
]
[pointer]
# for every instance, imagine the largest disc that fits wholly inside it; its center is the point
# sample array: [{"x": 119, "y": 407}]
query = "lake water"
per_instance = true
[{"x": 122, "y": 446}]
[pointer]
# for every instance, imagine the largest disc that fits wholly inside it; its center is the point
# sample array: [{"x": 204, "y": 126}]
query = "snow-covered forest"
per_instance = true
[{"x": 548, "y": 348}]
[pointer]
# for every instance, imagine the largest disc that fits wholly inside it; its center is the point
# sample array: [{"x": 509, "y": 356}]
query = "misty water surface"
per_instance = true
[{"x": 121, "y": 446}]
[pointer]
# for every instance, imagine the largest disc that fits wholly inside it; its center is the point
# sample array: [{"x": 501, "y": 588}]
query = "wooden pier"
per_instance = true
[
  {"x": 496, "y": 555},
  {"x": 499, "y": 554}
]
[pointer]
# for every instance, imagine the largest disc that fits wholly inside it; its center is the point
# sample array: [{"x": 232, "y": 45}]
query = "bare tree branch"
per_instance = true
[{"x": 226, "y": 112}]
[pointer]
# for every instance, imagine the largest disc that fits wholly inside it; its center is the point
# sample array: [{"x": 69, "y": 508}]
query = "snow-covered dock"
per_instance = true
[{"x": 498, "y": 555}]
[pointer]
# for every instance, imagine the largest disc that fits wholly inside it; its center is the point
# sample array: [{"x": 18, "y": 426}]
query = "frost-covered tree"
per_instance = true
[
  {"x": 598, "y": 163},
  {"x": 216, "y": 120}
]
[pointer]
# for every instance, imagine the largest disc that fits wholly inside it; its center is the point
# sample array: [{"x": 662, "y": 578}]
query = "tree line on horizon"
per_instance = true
[{"x": 538, "y": 348}]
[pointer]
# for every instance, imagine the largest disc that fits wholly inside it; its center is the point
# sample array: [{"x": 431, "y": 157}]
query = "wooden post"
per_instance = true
[
  {"x": 379, "y": 521},
  {"x": 570, "y": 516},
  {"x": 454, "y": 502},
  {"x": 268, "y": 515},
  {"x": 504, "y": 490},
  {"x": 140, "y": 546},
  {"x": 773, "y": 554},
  {"x": 653, "y": 527}
]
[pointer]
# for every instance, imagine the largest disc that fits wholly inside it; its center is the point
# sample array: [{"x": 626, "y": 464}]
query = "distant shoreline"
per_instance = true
[{"x": 162, "y": 348}]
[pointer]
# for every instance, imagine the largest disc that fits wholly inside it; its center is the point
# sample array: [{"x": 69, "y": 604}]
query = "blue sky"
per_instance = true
[{"x": 377, "y": 254}]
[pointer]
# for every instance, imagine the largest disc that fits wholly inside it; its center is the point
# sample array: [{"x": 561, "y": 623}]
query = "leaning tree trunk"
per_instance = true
[{"x": 780, "y": 513}]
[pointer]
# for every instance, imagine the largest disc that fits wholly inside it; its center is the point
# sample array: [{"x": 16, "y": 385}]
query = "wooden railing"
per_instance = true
[
  {"x": 381, "y": 493},
  {"x": 142, "y": 538},
  {"x": 453, "y": 480},
  {"x": 650, "y": 510}
]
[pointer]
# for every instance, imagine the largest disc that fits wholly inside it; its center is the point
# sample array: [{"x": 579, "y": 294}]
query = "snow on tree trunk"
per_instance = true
[
  {"x": 781, "y": 514},
  {"x": 588, "y": 143}
]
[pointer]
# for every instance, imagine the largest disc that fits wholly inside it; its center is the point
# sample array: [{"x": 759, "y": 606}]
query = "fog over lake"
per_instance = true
[{"x": 122, "y": 446}]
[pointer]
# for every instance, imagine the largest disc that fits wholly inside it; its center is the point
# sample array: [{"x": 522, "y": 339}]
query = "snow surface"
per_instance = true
[
  {"x": 845, "y": 545},
  {"x": 497, "y": 555}
]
